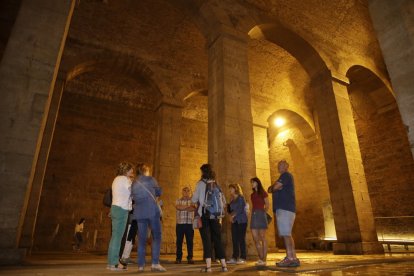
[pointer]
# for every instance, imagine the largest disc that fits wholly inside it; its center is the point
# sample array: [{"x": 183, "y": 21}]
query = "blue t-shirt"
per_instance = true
[{"x": 285, "y": 198}]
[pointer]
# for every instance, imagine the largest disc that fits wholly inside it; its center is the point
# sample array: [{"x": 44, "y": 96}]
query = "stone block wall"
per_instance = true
[
  {"x": 92, "y": 136},
  {"x": 193, "y": 155},
  {"x": 388, "y": 164}
]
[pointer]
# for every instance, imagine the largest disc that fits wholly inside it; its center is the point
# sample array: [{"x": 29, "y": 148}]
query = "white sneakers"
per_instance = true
[
  {"x": 260, "y": 263},
  {"x": 234, "y": 261},
  {"x": 158, "y": 268}
]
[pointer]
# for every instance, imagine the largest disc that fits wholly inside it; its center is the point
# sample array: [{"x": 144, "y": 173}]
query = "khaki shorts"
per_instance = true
[{"x": 285, "y": 220}]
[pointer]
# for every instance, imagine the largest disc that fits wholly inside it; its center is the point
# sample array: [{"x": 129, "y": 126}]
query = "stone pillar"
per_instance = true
[
  {"x": 27, "y": 234},
  {"x": 27, "y": 74},
  {"x": 394, "y": 24},
  {"x": 354, "y": 221},
  {"x": 230, "y": 127},
  {"x": 167, "y": 167}
]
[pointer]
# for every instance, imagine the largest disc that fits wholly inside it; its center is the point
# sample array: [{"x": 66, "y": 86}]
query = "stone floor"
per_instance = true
[{"x": 313, "y": 263}]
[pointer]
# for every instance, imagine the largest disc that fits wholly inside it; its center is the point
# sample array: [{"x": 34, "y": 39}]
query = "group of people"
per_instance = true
[{"x": 203, "y": 210}]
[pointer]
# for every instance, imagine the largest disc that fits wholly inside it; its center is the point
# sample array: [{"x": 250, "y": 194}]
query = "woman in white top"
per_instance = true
[{"x": 121, "y": 204}]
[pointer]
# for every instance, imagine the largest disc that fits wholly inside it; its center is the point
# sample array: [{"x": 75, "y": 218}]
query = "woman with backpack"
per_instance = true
[
  {"x": 238, "y": 219},
  {"x": 258, "y": 222},
  {"x": 211, "y": 202}
]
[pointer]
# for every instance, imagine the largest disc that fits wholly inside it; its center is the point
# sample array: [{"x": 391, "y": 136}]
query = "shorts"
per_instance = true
[
  {"x": 285, "y": 220},
  {"x": 258, "y": 220}
]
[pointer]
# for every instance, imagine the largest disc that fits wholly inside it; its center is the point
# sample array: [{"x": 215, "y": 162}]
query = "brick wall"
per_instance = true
[{"x": 92, "y": 136}]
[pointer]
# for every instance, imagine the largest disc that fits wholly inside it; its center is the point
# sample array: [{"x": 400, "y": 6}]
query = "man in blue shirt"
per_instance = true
[{"x": 284, "y": 208}]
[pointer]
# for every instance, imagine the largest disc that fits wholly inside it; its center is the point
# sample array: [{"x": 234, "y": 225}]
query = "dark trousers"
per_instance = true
[
  {"x": 238, "y": 237},
  {"x": 211, "y": 234},
  {"x": 186, "y": 230},
  {"x": 129, "y": 234}
]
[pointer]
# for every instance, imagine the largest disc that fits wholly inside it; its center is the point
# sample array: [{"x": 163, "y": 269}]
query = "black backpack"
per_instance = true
[{"x": 107, "y": 199}]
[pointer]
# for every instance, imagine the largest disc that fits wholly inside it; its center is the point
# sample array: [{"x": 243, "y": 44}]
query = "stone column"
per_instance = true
[
  {"x": 27, "y": 234},
  {"x": 27, "y": 74},
  {"x": 230, "y": 127},
  {"x": 354, "y": 221},
  {"x": 394, "y": 24},
  {"x": 167, "y": 167}
]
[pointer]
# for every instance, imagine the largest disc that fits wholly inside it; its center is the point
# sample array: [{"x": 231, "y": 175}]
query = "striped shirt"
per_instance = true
[{"x": 184, "y": 217}]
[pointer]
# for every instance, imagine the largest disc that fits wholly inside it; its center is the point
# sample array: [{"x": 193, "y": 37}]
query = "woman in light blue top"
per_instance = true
[{"x": 145, "y": 191}]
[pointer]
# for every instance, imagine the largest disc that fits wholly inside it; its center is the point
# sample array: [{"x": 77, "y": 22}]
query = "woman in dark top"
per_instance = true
[
  {"x": 238, "y": 218},
  {"x": 258, "y": 222}
]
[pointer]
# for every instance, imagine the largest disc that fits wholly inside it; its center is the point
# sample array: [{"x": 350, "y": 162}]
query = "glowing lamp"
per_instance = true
[{"x": 279, "y": 122}]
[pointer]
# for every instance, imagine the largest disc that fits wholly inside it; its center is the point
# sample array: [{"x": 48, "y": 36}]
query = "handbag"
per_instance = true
[
  {"x": 269, "y": 218},
  {"x": 197, "y": 223}
]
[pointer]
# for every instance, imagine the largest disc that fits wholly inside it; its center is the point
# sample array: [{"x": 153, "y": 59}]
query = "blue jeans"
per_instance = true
[
  {"x": 155, "y": 225},
  {"x": 119, "y": 218}
]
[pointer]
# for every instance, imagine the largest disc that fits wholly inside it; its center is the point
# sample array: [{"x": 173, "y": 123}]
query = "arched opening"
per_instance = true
[
  {"x": 282, "y": 66},
  {"x": 386, "y": 155},
  {"x": 292, "y": 138}
]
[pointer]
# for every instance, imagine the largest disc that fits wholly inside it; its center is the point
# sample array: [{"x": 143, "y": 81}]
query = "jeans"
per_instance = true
[
  {"x": 119, "y": 218},
  {"x": 211, "y": 234},
  {"x": 238, "y": 237},
  {"x": 187, "y": 230},
  {"x": 155, "y": 225}
]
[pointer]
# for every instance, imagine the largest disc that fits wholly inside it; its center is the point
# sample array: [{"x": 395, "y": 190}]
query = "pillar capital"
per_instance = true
[
  {"x": 170, "y": 102},
  {"x": 224, "y": 31}
]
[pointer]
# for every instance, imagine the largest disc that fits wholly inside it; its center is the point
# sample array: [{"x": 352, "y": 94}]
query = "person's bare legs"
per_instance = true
[
  {"x": 290, "y": 247},
  {"x": 257, "y": 242},
  {"x": 262, "y": 234}
]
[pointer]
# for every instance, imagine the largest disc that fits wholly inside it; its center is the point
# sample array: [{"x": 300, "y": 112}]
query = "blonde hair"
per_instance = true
[
  {"x": 124, "y": 168},
  {"x": 236, "y": 188},
  {"x": 142, "y": 168}
]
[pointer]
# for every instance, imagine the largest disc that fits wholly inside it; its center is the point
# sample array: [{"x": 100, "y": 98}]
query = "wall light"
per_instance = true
[{"x": 279, "y": 122}]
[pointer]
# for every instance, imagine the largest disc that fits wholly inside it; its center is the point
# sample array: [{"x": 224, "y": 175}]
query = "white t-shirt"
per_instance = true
[{"x": 121, "y": 192}]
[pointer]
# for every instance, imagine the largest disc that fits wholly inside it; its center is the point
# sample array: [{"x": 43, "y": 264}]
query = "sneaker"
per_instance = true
[
  {"x": 118, "y": 268},
  {"x": 232, "y": 261},
  {"x": 224, "y": 269},
  {"x": 289, "y": 263},
  {"x": 140, "y": 269},
  {"x": 260, "y": 263},
  {"x": 123, "y": 262},
  {"x": 190, "y": 261},
  {"x": 241, "y": 261},
  {"x": 158, "y": 268},
  {"x": 281, "y": 262},
  {"x": 177, "y": 261}
]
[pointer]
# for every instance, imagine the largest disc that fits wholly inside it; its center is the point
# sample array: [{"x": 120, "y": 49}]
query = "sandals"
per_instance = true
[{"x": 206, "y": 270}]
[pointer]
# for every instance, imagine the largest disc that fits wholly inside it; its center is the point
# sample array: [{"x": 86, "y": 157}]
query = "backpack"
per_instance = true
[
  {"x": 107, "y": 199},
  {"x": 214, "y": 202}
]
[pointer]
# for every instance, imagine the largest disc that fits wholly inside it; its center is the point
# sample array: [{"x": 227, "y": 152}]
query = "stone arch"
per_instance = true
[
  {"x": 385, "y": 151},
  {"x": 298, "y": 47},
  {"x": 292, "y": 119},
  {"x": 124, "y": 64}
]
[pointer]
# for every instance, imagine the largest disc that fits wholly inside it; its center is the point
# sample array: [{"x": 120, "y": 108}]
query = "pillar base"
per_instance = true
[
  {"x": 12, "y": 256},
  {"x": 357, "y": 248}
]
